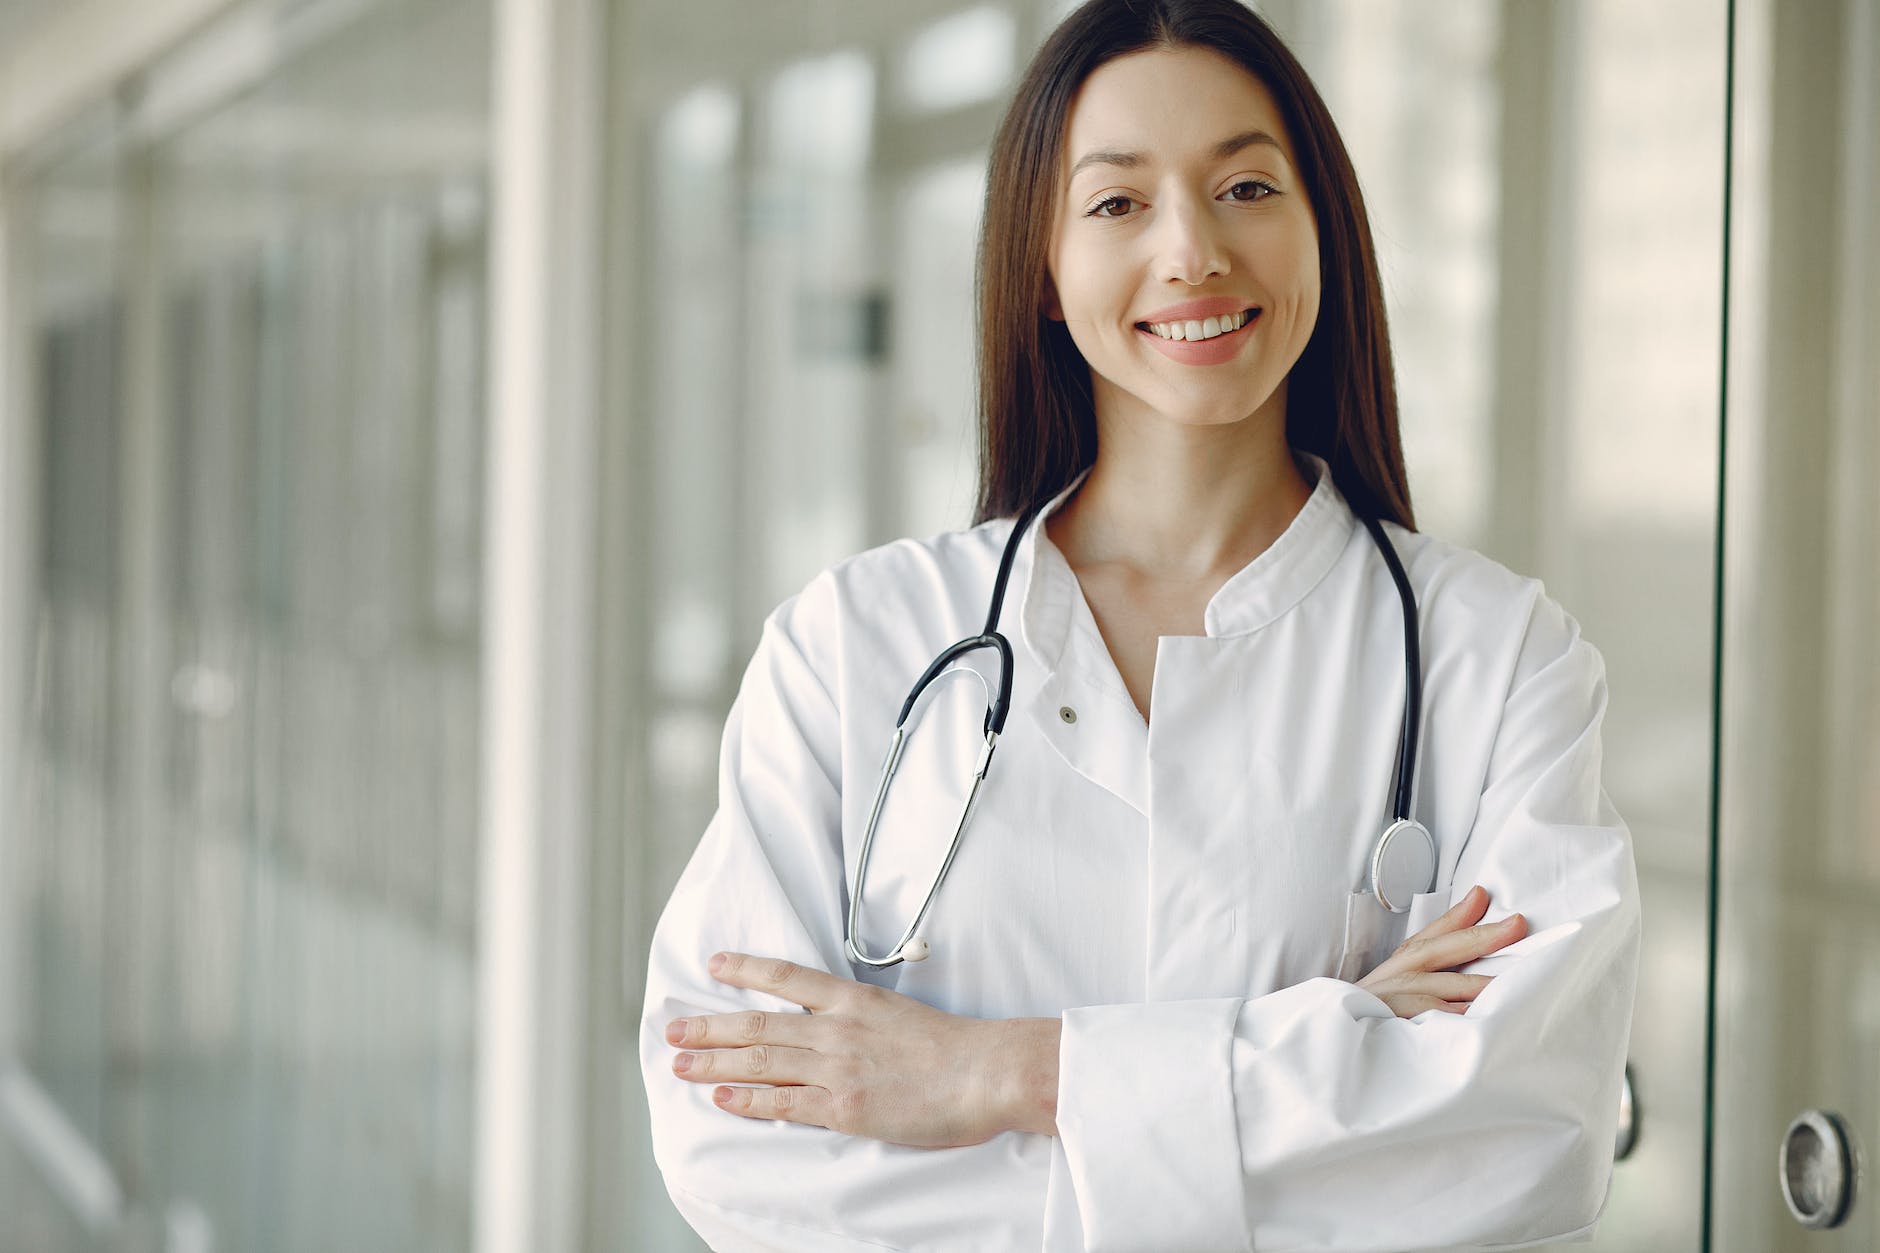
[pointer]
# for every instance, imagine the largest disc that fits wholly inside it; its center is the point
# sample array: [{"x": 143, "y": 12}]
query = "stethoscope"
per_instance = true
[{"x": 1402, "y": 864}]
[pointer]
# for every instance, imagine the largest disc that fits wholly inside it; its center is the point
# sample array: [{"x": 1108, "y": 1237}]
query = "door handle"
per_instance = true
[
  {"x": 1816, "y": 1169},
  {"x": 1628, "y": 1118}
]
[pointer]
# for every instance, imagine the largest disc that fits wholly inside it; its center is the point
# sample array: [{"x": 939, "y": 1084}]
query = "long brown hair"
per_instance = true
[{"x": 1037, "y": 421}]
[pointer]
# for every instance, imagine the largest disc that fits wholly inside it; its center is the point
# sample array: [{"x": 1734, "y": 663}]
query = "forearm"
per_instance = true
[{"x": 1025, "y": 1071}]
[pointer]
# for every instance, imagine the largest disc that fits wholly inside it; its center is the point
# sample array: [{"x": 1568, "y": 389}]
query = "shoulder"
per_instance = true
[
  {"x": 914, "y": 565},
  {"x": 1472, "y": 605},
  {"x": 912, "y": 572},
  {"x": 908, "y": 591}
]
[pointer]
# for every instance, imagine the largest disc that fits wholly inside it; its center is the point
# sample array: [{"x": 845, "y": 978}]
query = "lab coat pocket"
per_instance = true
[{"x": 1372, "y": 933}]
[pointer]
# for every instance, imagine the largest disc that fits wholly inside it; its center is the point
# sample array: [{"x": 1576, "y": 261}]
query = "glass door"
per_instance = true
[{"x": 1796, "y": 1084}]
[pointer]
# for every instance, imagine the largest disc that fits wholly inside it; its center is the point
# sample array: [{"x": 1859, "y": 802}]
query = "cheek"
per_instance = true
[
  {"x": 1308, "y": 304},
  {"x": 1076, "y": 298},
  {"x": 1306, "y": 290}
]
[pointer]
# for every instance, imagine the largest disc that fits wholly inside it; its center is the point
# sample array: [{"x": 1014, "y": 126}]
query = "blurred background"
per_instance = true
[{"x": 410, "y": 409}]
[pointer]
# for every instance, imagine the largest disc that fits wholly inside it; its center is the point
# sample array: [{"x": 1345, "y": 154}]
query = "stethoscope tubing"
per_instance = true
[
  {"x": 909, "y": 948},
  {"x": 1412, "y": 669}
]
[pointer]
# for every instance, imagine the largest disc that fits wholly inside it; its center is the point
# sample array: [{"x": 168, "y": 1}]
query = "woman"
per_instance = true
[{"x": 1166, "y": 1006}]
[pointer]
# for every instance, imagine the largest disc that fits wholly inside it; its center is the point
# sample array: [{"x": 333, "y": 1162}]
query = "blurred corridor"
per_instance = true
[{"x": 410, "y": 409}]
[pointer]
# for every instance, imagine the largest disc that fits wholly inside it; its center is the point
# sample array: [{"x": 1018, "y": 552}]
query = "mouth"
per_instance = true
[{"x": 1201, "y": 330}]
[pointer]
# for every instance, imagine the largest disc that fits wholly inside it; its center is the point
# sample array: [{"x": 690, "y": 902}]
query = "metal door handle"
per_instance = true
[
  {"x": 1816, "y": 1169},
  {"x": 1628, "y": 1119}
]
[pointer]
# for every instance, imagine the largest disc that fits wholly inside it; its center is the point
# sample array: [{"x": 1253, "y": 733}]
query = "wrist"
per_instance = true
[{"x": 1025, "y": 1070}]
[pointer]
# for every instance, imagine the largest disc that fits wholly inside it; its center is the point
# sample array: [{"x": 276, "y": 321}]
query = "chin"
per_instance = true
[{"x": 1225, "y": 414}]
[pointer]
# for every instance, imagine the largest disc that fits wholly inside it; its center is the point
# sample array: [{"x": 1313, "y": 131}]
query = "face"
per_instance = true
[{"x": 1163, "y": 218}]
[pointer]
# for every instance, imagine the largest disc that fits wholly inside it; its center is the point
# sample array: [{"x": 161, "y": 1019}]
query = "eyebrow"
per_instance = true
[{"x": 1220, "y": 152}]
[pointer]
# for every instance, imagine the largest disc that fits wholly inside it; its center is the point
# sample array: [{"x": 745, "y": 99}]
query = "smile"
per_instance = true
[
  {"x": 1214, "y": 342},
  {"x": 1205, "y": 328}
]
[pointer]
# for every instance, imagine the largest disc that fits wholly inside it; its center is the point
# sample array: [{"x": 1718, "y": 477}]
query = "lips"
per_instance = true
[
  {"x": 1218, "y": 351},
  {"x": 1197, "y": 310}
]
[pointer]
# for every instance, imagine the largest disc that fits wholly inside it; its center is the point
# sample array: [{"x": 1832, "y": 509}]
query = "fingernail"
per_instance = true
[
  {"x": 717, "y": 963},
  {"x": 682, "y": 1063},
  {"x": 675, "y": 1031}
]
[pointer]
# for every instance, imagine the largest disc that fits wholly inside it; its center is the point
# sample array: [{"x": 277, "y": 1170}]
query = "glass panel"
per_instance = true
[
  {"x": 1798, "y": 927},
  {"x": 931, "y": 402},
  {"x": 252, "y": 859},
  {"x": 68, "y": 839},
  {"x": 323, "y": 244}
]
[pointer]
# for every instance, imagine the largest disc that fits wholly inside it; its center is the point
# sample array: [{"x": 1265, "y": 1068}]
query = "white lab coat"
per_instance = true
[{"x": 1188, "y": 895}]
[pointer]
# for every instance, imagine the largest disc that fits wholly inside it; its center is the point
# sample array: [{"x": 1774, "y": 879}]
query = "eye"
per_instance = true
[
  {"x": 1266, "y": 188},
  {"x": 1262, "y": 190}
]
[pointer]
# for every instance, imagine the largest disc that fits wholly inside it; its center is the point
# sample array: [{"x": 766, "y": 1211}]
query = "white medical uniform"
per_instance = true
[{"x": 1190, "y": 895}]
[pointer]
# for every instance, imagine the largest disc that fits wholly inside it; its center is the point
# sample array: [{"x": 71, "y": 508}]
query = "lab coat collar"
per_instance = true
[
  {"x": 1081, "y": 706},
  {"x": 1254, "y": 596}
]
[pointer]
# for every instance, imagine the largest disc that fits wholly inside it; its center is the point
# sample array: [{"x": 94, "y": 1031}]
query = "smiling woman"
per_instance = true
[
  {"x": 1135, "y": 153},
  {"x": 1232, "y": 214},
  {"x": 1163, "y": 998}
]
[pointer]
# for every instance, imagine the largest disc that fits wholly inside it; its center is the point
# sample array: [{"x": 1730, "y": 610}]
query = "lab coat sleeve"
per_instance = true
[
  {"x": 767, "y": 878},
  {"x": 1313, "y": 1118}
]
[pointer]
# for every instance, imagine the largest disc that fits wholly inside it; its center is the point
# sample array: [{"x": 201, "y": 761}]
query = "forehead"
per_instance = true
[{"x": 1169, "y": 104}]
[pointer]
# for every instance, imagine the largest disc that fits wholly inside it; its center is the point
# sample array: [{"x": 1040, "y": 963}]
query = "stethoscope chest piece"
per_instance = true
[{"x": 1403, "y": 864}]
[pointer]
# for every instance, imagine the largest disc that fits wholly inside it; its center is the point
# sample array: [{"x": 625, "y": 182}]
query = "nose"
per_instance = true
[{"x": 1188, "y": 245}]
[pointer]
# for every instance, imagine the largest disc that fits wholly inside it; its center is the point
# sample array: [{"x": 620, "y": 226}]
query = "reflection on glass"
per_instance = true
[
  {"x": 809, "y": 287},
  {"x": 252, "y": 854},
  {"x": 935, "y": 344},
  {"x": 66, "y": 835}
]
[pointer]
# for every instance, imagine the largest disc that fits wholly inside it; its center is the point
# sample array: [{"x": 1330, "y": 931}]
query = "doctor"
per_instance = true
[{"x": 1163, "y": 1004}]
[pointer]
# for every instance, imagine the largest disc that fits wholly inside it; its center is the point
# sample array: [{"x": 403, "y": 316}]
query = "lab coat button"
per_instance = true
[{"x": 1067, "y": 713}]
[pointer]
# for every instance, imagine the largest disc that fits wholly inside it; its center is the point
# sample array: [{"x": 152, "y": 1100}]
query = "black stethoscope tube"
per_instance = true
[
  {"x": 1412, "y": 670},
  {"x": 1000, "y": 704}
]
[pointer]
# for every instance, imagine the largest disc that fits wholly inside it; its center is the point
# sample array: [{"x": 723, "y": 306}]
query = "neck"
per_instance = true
[{"x": 1180, "y": 503}]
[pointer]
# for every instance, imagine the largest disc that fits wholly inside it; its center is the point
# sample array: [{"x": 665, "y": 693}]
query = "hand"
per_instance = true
[
  {"x": 865, "y": 1061},
  {"x": 1418, "y": 976}
]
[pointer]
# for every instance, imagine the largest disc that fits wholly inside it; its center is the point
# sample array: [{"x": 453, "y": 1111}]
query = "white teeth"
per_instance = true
[{"x": 1194, "y": 330}]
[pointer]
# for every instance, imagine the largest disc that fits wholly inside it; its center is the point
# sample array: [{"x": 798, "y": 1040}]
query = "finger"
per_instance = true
[
  {"x": 1452, "y": 1007},
  {"x": 1448, "y": 985},
  {"x": 762, "y": 1063},
  {"x": 752, "y": 1026},
  {"x": 1439, "y": 952},
  {"x": 815, "y": 989},
  {"x": 1408, "y": 1006},
  {"x": 787, "y": 1104},
  {"x": 1473, "y": 905}
]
